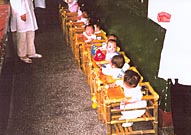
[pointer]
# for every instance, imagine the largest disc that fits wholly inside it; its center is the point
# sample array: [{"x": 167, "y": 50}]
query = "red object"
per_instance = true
[
  {"x": 4, "y": 17},
  {"x": 165, "y": 119},
  {"x": 163, "y": 17},
  {"x": 99, "y": 56}
]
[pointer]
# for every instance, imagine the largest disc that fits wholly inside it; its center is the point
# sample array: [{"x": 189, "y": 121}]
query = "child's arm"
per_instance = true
[{"x": 126, "y": 100}]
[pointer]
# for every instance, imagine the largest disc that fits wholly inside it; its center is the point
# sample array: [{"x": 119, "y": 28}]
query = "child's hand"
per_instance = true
[
  {"x": 23, "y": 17},
  {"x": 126, "y": 100},
  {"x": 89, "y": 40}
]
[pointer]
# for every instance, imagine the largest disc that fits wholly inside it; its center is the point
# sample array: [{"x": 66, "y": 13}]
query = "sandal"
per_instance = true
[
  {"x": 26, "y": 59},
  {"x": 36, "y": 55}
]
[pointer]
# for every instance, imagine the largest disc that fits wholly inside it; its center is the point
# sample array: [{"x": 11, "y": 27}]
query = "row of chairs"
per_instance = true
[{"x": 107, "y": 99}]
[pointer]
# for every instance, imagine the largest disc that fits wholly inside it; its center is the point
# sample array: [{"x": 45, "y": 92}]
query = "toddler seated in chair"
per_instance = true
[
  {"x": 84, "y": 17},
  {"x": 72, "y": 5},
  {"x": 88, "y": 34},
  {"x": 110, "y": 36},
  {"x": 108, "y": 52},
  {"x": 104, "y": 44},
  {"x": 116, "y": 68},
  {"x": 133, "y": 97},
  {"x": 111, "y": 49}
]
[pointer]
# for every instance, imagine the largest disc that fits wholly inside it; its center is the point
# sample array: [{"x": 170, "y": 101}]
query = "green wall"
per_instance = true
[{"x": 141, "y": 39}]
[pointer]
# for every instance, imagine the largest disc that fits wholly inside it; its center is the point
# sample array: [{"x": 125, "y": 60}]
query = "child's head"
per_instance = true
[
  {"x": 112, "y": 36},
  {"x": 111, "y": 46},
  {"x": 85, "y": 13},
  {"x": 118, "y": 61},
  {"x": 96, "y": 21},
  {"x": 131, "y": 79},
  {"x": 89, "y": 29},
  {"x": 97, "y": 27}
]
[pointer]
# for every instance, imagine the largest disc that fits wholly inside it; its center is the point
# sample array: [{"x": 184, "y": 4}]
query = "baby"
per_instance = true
[
  {"x": 88, "y": 34},
  {"x": 133, "y": 97},
  {"x": 84, "y": 17},
  {"x": 116, "y": 68},
  {"x": 111, "y": 49},
  {"x": 72, "y": 5}
]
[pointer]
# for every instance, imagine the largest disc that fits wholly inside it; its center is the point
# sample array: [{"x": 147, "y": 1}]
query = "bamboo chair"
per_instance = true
[
  {"x": 127, "y": 59},
  {"x": 110, "y": 114},
  {"x": 101, "y": 35},
  {"x": 74, "y": 27},
  {"x": 78, "y": 44},
  {"x": 86, "y": 57},
  {"x": 75, "y": 41},
  {"x": 67, "y": 17},
  {"x": 60, "y": 11},
  {"x": 68, "y": 26},
  {"x": 96, "y": 79},
  {"x": 63, "y": 13}
]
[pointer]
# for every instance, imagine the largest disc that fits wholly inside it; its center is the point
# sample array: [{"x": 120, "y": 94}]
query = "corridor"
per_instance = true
[{"x": 50, "y": 96}]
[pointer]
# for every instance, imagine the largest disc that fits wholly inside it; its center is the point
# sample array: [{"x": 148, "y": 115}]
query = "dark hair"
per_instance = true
[
  {"x": 118, "y": 61},
  {"x": 131, "y": 78},
  {"x": 90, "y": 25},
  {"x": 113, "y": 35},
  {"x": 113, "y": 41},
  {"x": 95, "y": 20}
]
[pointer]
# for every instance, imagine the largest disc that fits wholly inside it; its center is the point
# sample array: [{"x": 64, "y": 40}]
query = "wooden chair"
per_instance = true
[
  {"x": 74, "y": 40},
  {"x": 86, "y": 56},
  {"x": 110, "y": 112},
  {"x": 61, "y": 9},
  {"x": 96, "y": 79},
  {"x": 78, "y": 43},
  {"x": 66, "y": 18},
  {"x": 101, "y": 35},
  {"x": 74, "y": 27}
]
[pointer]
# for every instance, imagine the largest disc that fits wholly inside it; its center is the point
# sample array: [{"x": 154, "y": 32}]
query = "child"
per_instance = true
[
  {"x": 97, "y": 28},
  {"x": 88, "y": 34},
  {"x": 133, "y": 96},
  {"x": 110, "y": 36},
  {"x": 104, "y": 44},
  {"x": 72, "y": 5},
  {"x": 96, "y": 22},
  {"x": 111, "y": 49},
  {"x": 84, "y": 17},
  {"x": 116, "y": 68}
]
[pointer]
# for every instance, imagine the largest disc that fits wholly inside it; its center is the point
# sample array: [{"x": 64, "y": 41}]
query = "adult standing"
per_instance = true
[
  {"x": 175, "y": 61},
  {"x": 40, "y": 12},
  {"x": 23, "y": 22}
]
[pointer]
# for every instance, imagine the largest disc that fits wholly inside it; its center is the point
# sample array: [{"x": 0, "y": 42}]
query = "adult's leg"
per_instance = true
[
  {"x": 21, "y": 44},
  {"x": 30, "y": 36}
]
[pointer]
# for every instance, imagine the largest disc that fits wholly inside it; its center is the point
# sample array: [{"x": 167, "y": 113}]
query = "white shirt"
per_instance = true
[
  {"x": 110, "y": 55},
  {"x": 134, "y": 93},
  {"x": 135, "y": 102},
  {"x": 21, "y": 7},
  {"x": 115, "y": 72}
]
